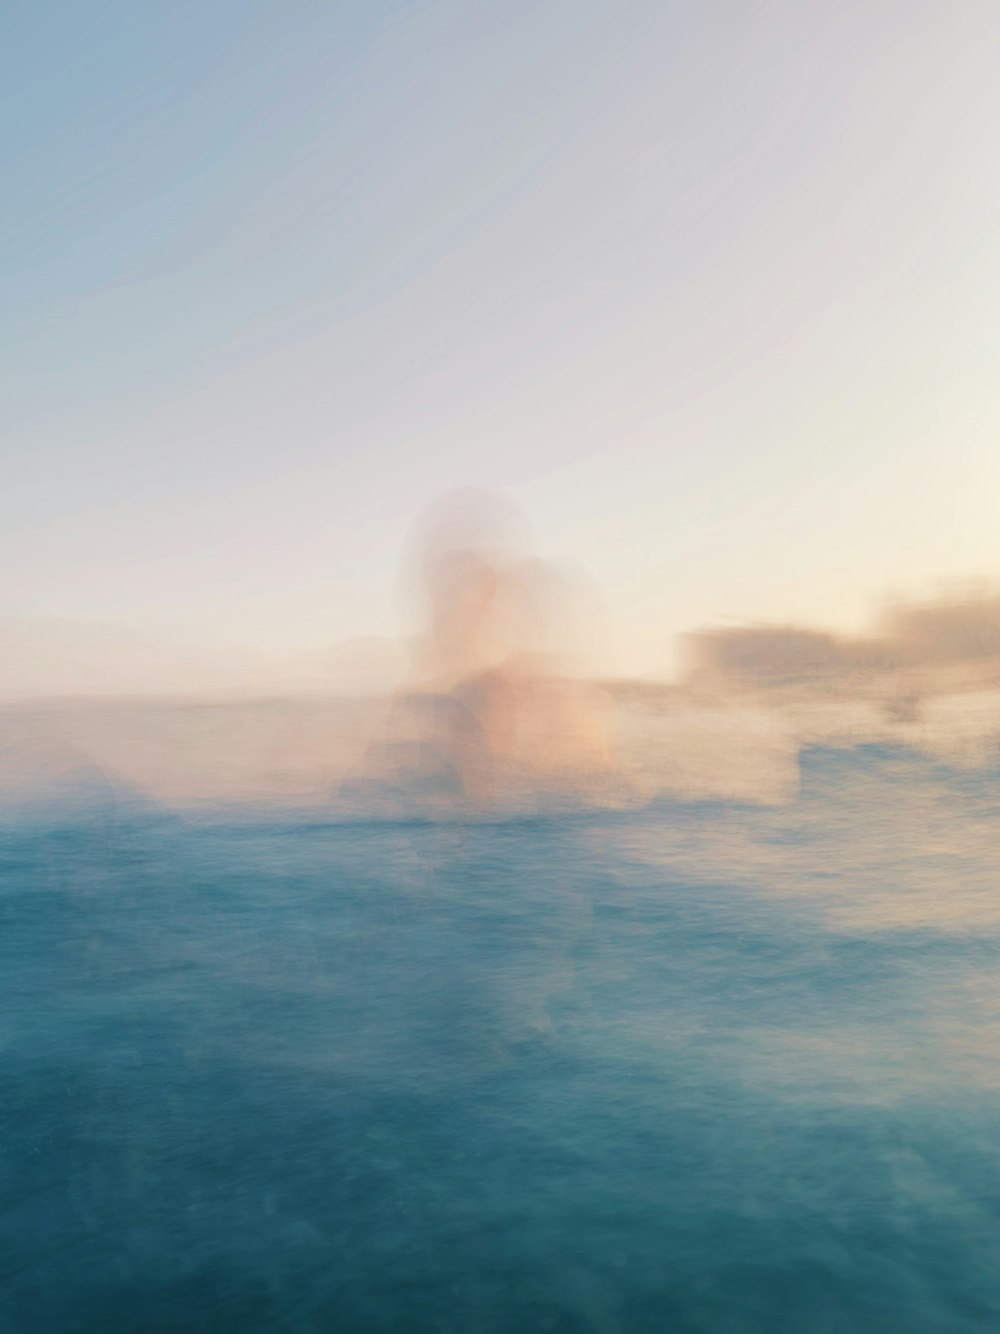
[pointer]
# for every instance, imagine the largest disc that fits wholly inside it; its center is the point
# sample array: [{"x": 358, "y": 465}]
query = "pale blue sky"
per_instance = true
[{"x": 711, "y": 289}]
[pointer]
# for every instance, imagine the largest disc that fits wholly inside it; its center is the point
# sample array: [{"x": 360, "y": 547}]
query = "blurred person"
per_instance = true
[{"x": 493, "y": 703}]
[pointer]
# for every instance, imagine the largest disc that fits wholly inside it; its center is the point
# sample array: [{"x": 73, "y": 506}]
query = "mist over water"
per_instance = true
[{"x": 494, "y": 702}]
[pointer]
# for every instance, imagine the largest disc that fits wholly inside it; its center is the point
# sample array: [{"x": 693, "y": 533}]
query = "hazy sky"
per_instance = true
[{"x": 711, "y": 289}]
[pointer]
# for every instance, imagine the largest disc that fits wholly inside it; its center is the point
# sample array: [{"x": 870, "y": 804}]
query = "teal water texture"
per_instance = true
[{"x": 689, "y": 1068}]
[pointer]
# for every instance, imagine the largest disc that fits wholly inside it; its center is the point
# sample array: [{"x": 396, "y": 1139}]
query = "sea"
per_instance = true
[{"x": 685, "y": 1065}]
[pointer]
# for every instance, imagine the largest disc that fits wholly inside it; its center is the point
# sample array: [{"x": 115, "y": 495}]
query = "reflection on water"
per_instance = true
[{"x": 693, "y": 1066}]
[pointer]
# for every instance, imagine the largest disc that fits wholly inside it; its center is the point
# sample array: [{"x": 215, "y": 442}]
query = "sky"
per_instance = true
[{"x": 711, "y": 291}]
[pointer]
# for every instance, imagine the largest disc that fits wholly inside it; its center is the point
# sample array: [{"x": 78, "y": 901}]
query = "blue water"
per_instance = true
[{"x": 685, "y": 1069}]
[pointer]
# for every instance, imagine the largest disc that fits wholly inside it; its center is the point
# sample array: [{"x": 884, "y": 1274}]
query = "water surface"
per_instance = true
[{"x": 686, "y": 1068}]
